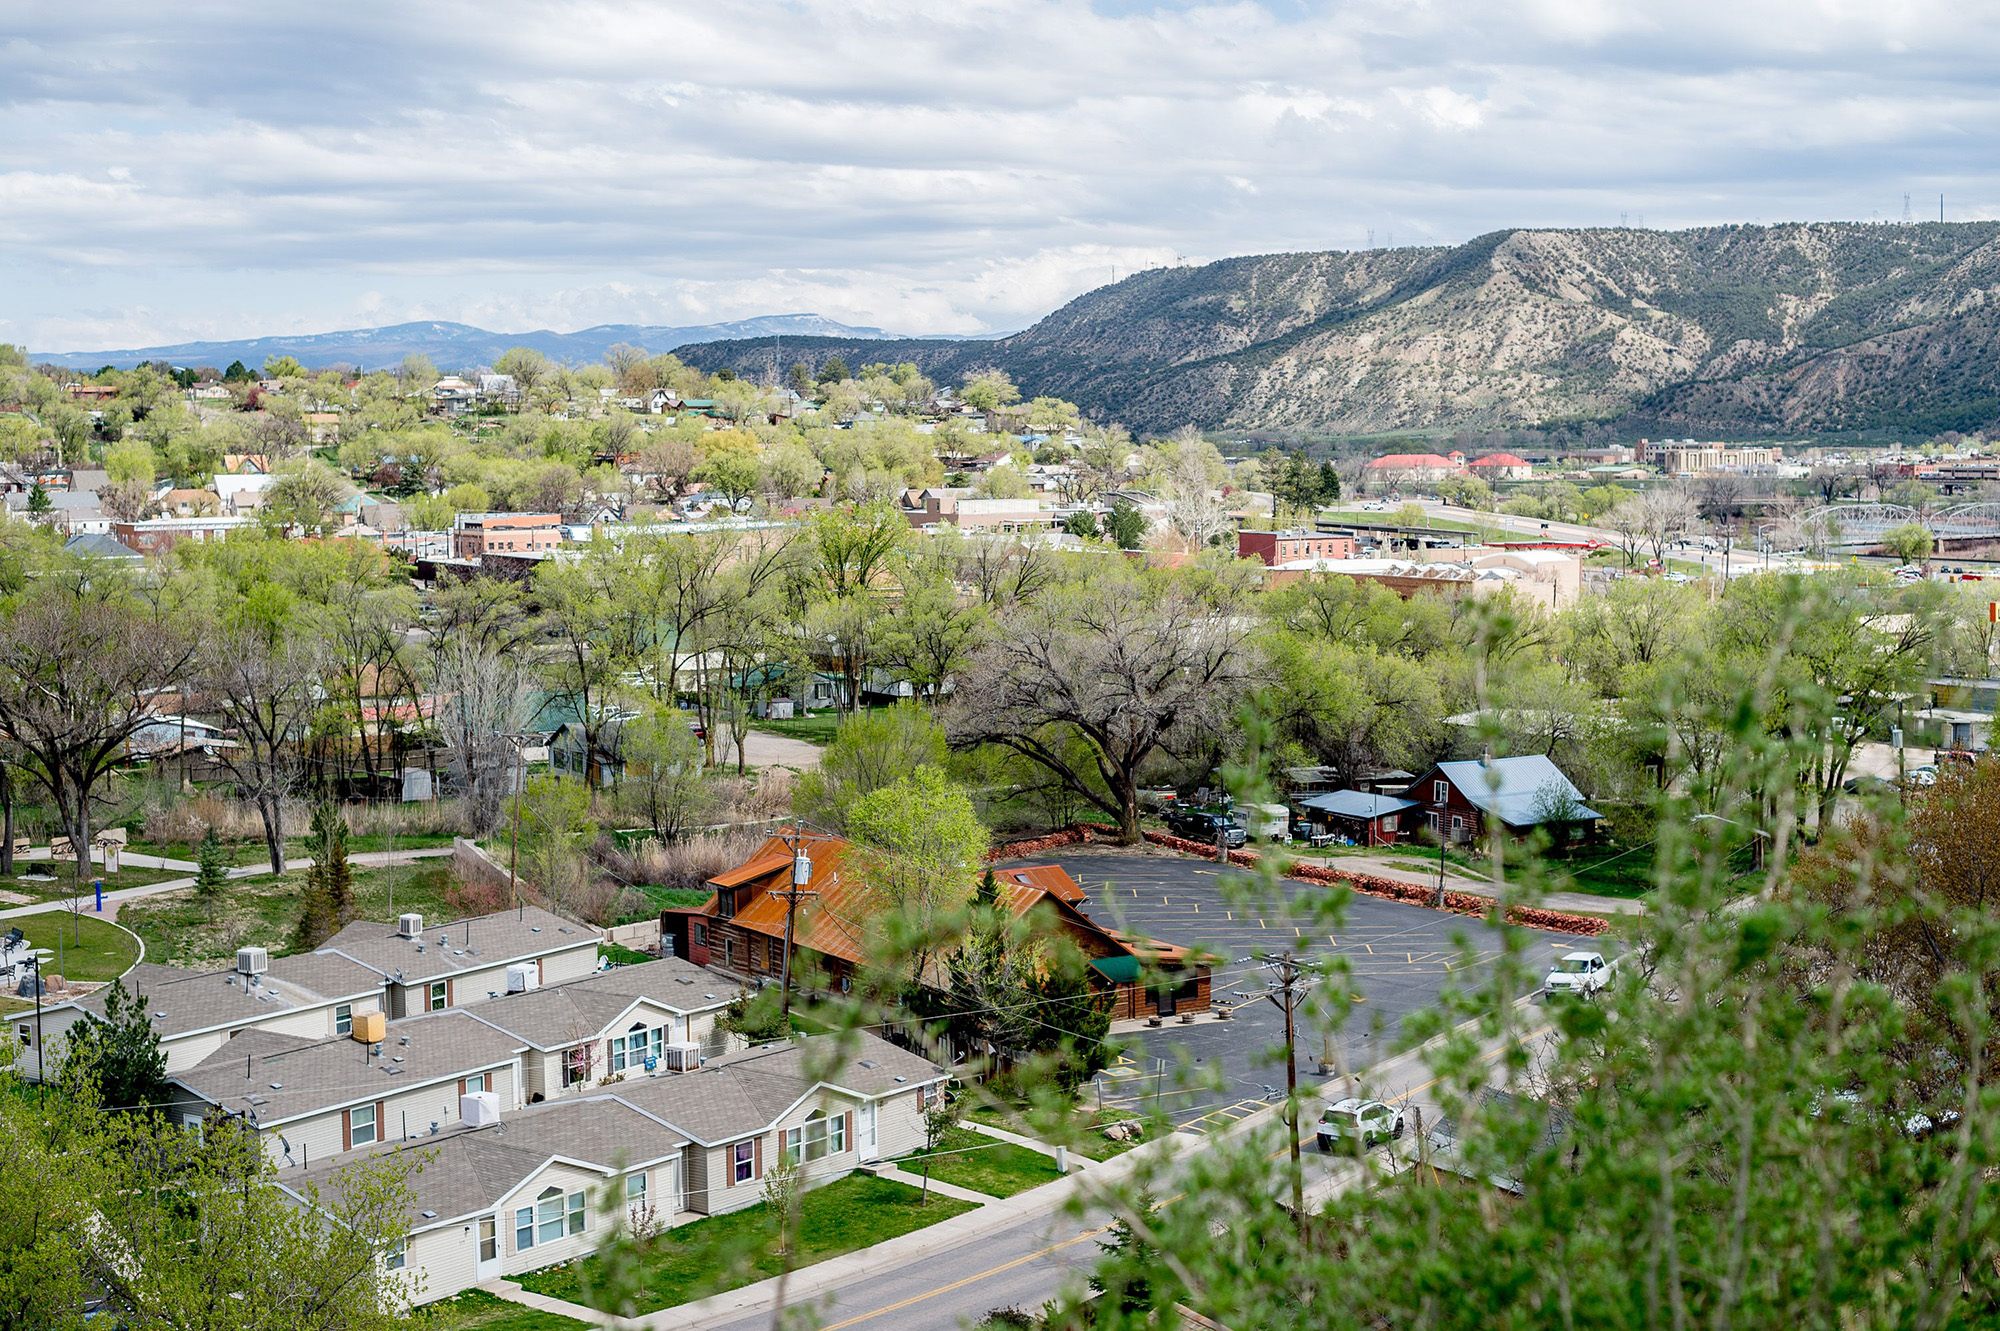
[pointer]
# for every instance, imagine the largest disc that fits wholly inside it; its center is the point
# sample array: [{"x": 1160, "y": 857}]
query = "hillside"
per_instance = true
[{"x": 1790, "y": 330}]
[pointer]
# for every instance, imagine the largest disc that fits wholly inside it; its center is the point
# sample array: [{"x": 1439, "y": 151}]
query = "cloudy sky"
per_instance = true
[{"x": 184, "y": 171}]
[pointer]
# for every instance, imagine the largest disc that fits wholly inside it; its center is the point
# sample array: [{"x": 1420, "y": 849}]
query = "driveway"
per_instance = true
[{"x": 763, "y": 749}]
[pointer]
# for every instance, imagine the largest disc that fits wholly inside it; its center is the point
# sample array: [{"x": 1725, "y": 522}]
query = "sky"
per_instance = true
[{"x": 174, "y": 172}]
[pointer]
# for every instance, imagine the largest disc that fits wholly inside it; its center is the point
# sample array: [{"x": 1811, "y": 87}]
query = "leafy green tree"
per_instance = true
[
  {"x": 129, "y": 460},
  {"x": 988, "y": 390},
  {"x": 870, "y": 750},
  {"x": 119, "y": 1054},
  {"x": 48, "y": 1201},
  {"x": 663, "y": 780},
  {"x": 283, "y": 367},
  {"x": 1125, "y": 525},
  {"x": 556, "y": 831},
  {"x": 833, "y": 370},
  {"x": 211, "y": 878},
  {"x": 1082, "y": 523},
  {"x": 1912, "y": 542},
  {"x": 922, "y": 850},
  {"x": 237, "y": 372}
]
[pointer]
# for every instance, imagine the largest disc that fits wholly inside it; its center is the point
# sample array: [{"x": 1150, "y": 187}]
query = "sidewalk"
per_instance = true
[{"x": 113, "y": 899}]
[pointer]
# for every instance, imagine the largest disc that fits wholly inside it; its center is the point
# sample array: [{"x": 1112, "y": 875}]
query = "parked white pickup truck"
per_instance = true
[{"x": 1577, "y": 973}]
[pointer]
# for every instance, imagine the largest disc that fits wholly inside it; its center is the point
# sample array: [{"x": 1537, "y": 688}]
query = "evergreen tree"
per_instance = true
[
  {"x": 212, "y": 872},
  {"x": 329, "y": 895},
  {"x": 1125, "y": 525},
  {"x": 119, "y": 1053},
  {"x": 1082, "y": 523},
  {"x": 39, "y": 501}
]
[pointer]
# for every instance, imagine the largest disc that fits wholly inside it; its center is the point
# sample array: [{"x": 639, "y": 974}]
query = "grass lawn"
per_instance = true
[
  {"x": 976, "y": 1161},
  {"x": 813, "y": 727},
  {"x": 65, "y": 881},
  {"x": 1078, "y": 1128},
  {"x": 476, "y": 1310},
  {"x": 265, "y": 910},
  {"x": 88, "y": 948},
  {"x": 619, "y": 955},
  {"x": 727, "y": 1252},
  {"x": 242, "y": 854}
]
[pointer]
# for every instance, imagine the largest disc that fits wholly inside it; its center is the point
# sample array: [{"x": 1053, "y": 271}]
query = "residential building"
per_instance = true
[
  {"x": 243, "y": 492},
  {"x": 454, "y": 396},
  {"x": 742, "y": 928},
  {"x": 153, "y": 536},
  {"x": 940, "y": 507},
  {"x": 310, "y": 1098},
  {"x": 509, "y": 1191},
  {"x": 1522, "y": 793},
  {"x": 630, "y": 1020},
  {"x": 1285, "y": 547},
  {"x": 1501, "y": 467},
  {"x": 466, "y": 961},
  {"x": 1356, "y": 816},
  {"x": 476, "y": 534},
  {"x": 312, "y": 996},
  {"x": 1393, "y": 471}
]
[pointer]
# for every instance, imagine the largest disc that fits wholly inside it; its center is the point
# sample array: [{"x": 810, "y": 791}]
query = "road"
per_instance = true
[{"x": 1739, "y": 560}]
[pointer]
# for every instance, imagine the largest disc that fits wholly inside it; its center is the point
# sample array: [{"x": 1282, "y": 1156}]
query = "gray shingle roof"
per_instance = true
[
  {"x": 274, "y": 1077},
  {"x": 561, "y": 1014},
  {"x": 460, "y": 945},
  {"x": 465, "y": 1171},
  {"x": 180, "y": 1001},
  {"x": 1517, "y": 799}
]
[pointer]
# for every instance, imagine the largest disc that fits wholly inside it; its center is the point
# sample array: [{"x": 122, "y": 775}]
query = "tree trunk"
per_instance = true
[
  {"x": 274, "y": 832},
  {"x": 1128, "y": 814},
  {"x": 6, "y": 818}
]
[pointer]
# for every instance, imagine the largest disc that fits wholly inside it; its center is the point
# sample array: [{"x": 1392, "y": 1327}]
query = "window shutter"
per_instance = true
[
  {"x": 461, "y": 1086},
  {"x": 757, "y": 1158},
  {"x": 847, "y": 1132},
  {"x": 382, "y": 1121},
  {"x": 451, "y": 993},
  {"x": 347, "y": 1129}
]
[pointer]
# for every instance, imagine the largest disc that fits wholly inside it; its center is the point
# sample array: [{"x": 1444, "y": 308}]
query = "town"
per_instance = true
[{"x": 554, "y": 822}]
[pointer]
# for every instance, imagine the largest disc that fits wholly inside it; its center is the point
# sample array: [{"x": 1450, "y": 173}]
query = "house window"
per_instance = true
[
  {"x": 549, "y": 1216},
  {"x": 615, "y": 1051},
  {"x": 815, "y": 1138},
  {"x": 478, "y": 1081},
  {"x": 576, "y": 1065},
  {"x": 524, "y": 1229},
  {"x": 489, "y": 1239},
  {"x": 1440, "y": 791},
  {"x": 437, "y": 996},
  {"x": 26, "y": 1032},
  {"x": 700, "y": 935},
  {"x": 398, "y": 1255},
  {"x": 742, "y": 1162},
  {"x": 343, "y": 1019},
  {"x": 576, "y": 1217},
  {"x": 635, "y": 1192},
  {"x": 656, "y": 1043},
  {"x": 361, "y": 1126}
]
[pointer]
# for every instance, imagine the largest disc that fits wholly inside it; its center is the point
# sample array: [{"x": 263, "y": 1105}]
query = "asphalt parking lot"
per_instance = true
[{"x": 1401, "y": 958}]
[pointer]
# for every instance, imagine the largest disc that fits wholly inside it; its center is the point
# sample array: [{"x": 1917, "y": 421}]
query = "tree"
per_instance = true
[
  {"x": 870, "y": 751},
  {"x": 1911, "y": 542},
  {"x": 663, "y": 780},
  {"x": 1126, "y": 525},
  {"x": 1133, "y": 666},
  {"x": 48, "y": 1202},
  {"x": 529, "y": 368},
  {"x": 118, "y": 1054},
  {"x": 417, "y": 372},
  {"x": 1082, "y": 523},
  {"x": 922, "y": 849},
  {"x": 283, "y": 367},
  {"x": 833, "y": 370},
  {"x": 39, "y": 503},
  {"x": 302, "y": 501},
  {"x": 82, "y": 660},
  {"x": 266, "y": 684},
  {"x": 666, "y": 466},
  {"x": 556, "y": 829},
  {"x": 930, "y": 634},
  {"x": 211, "y": 878},
  {"x": 329, "y": 891},
  {"x": 988, "y": 390},
  {"x": 129, "y": 460},
  {"x": 483, "y": 711}
]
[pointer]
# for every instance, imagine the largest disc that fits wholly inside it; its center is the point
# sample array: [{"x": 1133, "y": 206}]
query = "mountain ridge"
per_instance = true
[
  {"x": 1795, "y": 329},
  {"x": 458, "y": 345}
]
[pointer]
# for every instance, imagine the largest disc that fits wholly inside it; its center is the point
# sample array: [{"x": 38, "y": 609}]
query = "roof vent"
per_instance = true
[
  {"x": 901, "y": 1080},
  {"x": 277, "y": 1086},
  {"x": 409, "y": 925},
  {"x": 534, "y": 928},
  {"x": 870, "y": 1063}
]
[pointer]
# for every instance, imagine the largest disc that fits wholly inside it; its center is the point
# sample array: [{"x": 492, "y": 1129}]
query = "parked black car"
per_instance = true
[{"x": 1201, "y": 824}]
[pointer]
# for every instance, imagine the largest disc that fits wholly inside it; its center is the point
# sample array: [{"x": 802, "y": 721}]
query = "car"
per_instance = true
[
  {"x": 1202, "y": 824},
  {"x": 1577, "y": 973},
  {"x": 1358, "y": 1124}
]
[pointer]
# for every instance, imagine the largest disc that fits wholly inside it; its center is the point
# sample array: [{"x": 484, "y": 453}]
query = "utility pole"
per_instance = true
[
  {"x": 802, "y": 872},
  {"x": 1288, "y": 987},
  {"x": 1441, "y": 846}
]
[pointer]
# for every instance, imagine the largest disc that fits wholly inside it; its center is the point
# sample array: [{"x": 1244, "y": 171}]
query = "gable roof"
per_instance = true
[
  {"x": 1389, "y": 461},
  {"x": 559, "y": 1015},
  {"x": 1511, "y": 789},
  {"x": 181, "y": 1002},
  {"x": 1357, "y": 804},
  {"x": 459, "y": 945}
]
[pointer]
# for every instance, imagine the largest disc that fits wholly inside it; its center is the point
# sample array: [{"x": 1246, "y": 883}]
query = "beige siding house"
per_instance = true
[{"x": 431, "y": 968}]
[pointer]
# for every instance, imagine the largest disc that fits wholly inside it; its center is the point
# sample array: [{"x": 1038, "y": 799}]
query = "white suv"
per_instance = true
[{"x": 1578, "y": 973}]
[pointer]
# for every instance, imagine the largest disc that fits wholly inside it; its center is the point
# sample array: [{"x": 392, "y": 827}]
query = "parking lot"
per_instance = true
[{"x": 1401, "y": 958}]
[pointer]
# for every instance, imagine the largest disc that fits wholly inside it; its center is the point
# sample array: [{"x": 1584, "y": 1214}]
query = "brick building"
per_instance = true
[
  {"x": 474, "y": 534},
  {"x": 1283, "y": 547}
]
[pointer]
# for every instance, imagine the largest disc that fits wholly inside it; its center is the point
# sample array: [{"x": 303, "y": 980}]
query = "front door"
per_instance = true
[
  {"x": 865, "y": 1147},
  {"x": 488, "y": 1266}
]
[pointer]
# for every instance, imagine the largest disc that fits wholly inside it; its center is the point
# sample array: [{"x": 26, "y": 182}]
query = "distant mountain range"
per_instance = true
[
  {"x": 455, "y": 346},
  {"x": 1786, "y": 331}
]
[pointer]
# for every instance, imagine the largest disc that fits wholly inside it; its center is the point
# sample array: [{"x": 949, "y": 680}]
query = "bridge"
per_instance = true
[{"x": 1866, "y": 524}]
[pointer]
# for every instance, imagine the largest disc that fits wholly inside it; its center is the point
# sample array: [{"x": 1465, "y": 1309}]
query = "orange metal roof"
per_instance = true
[{"x": 1051, "y": 878}]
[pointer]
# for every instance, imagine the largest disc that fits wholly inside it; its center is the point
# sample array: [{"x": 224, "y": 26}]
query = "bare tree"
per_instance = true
[
  {"x": 1133, "y": 670},
  {"x": 483, "y": 705},
  {"x": 266, "y": 692},
  {"x": 1666, "y": 517},
  {"x": 1627, "y": 519},
  {"x": 80, "y": 665},
  {"x": 1194, "y": 509}
]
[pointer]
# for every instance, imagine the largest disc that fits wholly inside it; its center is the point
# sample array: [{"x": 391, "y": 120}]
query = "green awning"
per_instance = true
[{"x": 1118, "y": 970}]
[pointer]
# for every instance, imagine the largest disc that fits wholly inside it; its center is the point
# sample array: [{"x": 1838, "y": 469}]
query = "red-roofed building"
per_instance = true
[
  {"x": 1396, "y": 470},
  {"x": 1501, "y": 467}
]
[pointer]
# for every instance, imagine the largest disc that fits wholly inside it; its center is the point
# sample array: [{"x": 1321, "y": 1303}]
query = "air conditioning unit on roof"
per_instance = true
[
  {"x": 680, "y": 1057},
  {"x": 409, "y": 926},
  {"x": 523, "y": 976}
]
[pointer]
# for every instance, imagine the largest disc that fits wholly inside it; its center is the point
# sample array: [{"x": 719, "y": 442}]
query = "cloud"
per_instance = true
[{"x": 923, "y": 168}]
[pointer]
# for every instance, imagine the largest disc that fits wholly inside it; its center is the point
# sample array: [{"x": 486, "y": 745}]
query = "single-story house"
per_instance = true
[
  {"x": 429, "y": 969},
  {"x": 1358, "y": 816},
  {"x": 1523, "y": 793}
]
